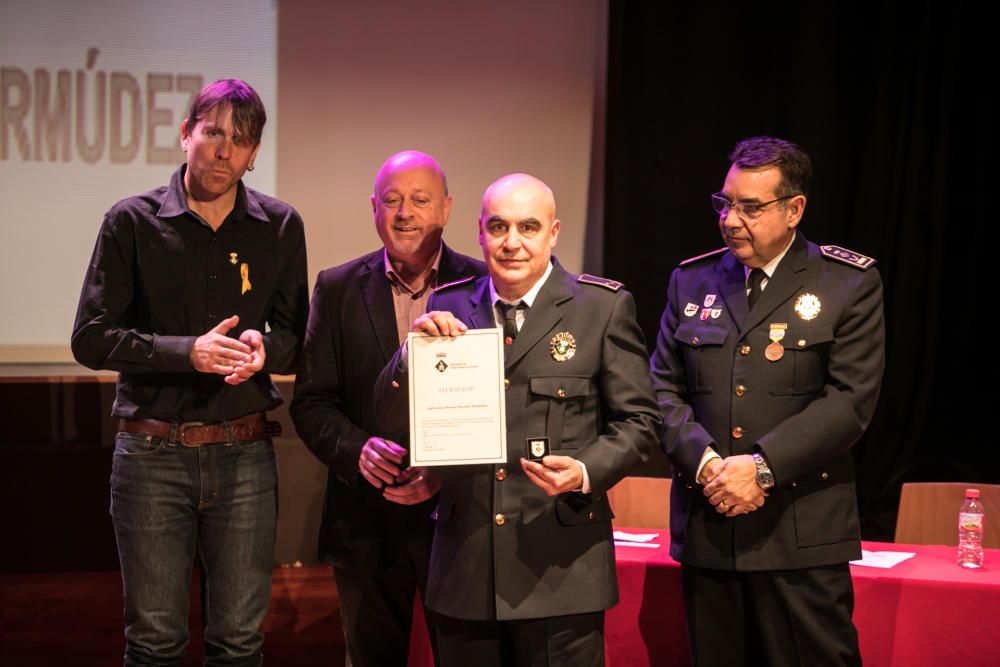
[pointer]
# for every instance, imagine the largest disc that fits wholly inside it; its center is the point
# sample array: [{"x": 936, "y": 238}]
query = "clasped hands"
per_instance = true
[
  {"x": 731, "y": 485},
  {"x": 215, "y": 352},
  {"x": 381, "y": 464}
]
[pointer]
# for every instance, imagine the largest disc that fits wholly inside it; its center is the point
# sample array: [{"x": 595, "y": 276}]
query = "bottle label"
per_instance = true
[{"x": 970, "y": 521}]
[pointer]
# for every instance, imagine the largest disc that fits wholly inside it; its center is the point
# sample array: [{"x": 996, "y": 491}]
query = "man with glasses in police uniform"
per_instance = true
[{"x": 767, "y": 369}]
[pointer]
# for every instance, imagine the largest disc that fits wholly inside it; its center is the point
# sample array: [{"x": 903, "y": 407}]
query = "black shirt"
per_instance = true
[{"x": 160, "y": 277}]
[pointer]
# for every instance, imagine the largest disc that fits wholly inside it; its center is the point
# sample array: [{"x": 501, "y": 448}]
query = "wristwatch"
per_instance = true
[{"x": 765, "y": 478}]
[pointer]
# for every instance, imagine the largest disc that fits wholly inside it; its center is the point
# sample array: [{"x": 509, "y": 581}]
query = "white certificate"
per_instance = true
[{"x": 457, "y": 414}]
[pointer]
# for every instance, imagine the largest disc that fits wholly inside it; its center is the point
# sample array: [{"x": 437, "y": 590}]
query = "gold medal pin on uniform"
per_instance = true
[
  {"x": 775, "y": 351},
  {"x": 562, "y": 346},
  {"x": 233, "y": 258},
  {"x": 245, "y": 274},
  {"x": 807, "y": 306}
]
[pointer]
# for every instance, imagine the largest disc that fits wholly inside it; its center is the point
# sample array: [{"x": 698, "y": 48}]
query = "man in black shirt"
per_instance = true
[{"x": 196, "y": 291}]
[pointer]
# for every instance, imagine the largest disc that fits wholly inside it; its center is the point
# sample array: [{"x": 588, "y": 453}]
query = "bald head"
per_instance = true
[
  {"x": 518, "y": 230},
  {"x": 411, "y": 206},
  {"x": 406, "y": 160},
  {"x": 522, "y": 188}
]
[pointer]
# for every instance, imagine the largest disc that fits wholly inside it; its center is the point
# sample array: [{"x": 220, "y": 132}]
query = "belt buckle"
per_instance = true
[{"x": 183, "y": 428}]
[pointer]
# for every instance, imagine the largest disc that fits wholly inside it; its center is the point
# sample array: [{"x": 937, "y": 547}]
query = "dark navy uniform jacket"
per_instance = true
[
  {"x": 803, "y": 411},
  {"x": 548, "y": 556}
]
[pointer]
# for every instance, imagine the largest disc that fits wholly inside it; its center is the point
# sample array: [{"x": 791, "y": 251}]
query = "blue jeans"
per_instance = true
[{"x": 170, "y": 503}]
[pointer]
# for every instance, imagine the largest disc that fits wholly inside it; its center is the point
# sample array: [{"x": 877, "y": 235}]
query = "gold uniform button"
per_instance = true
[
  {"x": 738, "y": 432},
  {"x": 744, "y": 350},
  {"x": 590, "y": 515},
  {"x": 395, "y": 385},
  {"x": 499, "y": 520},
  {"x": 506, "y": 383},
  {"x": 825, "y": 475},
  {"x": 501, "y": 475},
  {"x": 740, "y": 390},
  {"x": 695, "y": 340},
  {"x": 802, "y": 342},
  {"x": 689, "y": 487},
  {"x": 794, "y": 484},
  {"x": 561, "y": 393}
]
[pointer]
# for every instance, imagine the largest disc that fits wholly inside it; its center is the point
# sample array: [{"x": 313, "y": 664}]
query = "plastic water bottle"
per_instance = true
[{"x": 970, "y": 530}]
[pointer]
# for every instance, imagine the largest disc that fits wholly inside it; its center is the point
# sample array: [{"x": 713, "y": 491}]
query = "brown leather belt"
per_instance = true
[{"x": 196, "y": 434}]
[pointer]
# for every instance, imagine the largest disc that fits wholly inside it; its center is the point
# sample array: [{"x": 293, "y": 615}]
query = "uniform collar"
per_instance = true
[
  {"x": 529, "y": 298},
  {"x": 773, "y": 264}
]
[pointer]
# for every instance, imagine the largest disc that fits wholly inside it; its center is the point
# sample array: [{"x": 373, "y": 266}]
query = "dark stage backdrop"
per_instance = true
[{"x": 892, "y": 104}]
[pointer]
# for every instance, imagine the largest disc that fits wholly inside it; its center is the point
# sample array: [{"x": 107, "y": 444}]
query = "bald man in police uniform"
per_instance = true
[
  {"x": 767, "y": 369},
  {"x": 523, "y": 566}
]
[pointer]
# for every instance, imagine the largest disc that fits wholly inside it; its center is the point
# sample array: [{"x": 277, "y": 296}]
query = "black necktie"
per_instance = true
[
  {"x": 509, "y": 312},
  {"x": 755, "y": 280}
]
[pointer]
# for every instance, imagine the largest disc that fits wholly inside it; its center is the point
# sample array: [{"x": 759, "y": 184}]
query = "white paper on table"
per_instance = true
[
  {"x": 644, "y": 545},
  {"x": 622, "y": 536},
  {"x": 883, "y": 559},
  {"x": 457, "y": 410}
]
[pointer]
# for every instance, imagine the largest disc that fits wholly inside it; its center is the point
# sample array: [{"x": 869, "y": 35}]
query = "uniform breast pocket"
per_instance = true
[
  {"x": 702, "y": 344},
  {"x": 807, "y": 353},
  {"x": 558, "y": 400}
]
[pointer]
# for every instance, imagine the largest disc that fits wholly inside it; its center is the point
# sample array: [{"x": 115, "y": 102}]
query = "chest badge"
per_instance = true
[
  {"x": 709, "y": 300},
  {"x": 690, "y": 309},
  {"x": 807, "y": 306},
  {"x": 538, "y": 448},
  {"x": 775, "y": 351},
  {"x": 562, "y": 347},
  {"x": 234, "y": 257},
  {"x": 716, "y": 312},
  {"x": 245, "y": 275}
]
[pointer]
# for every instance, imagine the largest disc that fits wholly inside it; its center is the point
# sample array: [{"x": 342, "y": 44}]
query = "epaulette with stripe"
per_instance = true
[
  {"x": 460, "y": 281},
  {"x": 849, "y": 257},
  {"x": 692, "y": 260},
  {"x": 606, "y": 283}
]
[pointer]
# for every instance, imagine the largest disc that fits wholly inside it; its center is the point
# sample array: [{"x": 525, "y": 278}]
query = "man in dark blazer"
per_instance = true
[
  {"x": 359, "y": 313},
  {"x": 767, "y": 369},
  {"x": 523, "y": 562}
]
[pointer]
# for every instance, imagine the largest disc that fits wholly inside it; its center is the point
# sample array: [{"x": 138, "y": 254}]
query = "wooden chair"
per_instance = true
[
  {"x": 641, "y": 502},
  {"x": 928, "y": 513}
]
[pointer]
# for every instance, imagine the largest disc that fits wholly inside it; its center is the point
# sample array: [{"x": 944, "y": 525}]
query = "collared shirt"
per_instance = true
[
  {"x": 407, "y": 303},
  {"x": 769, "y": 267},
  {"x": 528, "y": 299},
  {"x": 160, "y": 277}
]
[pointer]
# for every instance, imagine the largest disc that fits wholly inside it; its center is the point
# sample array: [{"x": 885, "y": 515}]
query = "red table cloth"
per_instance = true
[{"x": 924, "y": 611}]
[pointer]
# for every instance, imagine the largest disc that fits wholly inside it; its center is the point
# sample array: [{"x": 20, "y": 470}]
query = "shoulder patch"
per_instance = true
[
  {"x": 692, "y": 260},
  {"x": 460, "y": 281},
  {"x": 606, "y": 283},
  {"x": 857, "y": 260}
]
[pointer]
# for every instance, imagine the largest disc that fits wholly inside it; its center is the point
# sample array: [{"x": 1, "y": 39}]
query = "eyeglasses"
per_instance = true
[{"x": 744, "y": 210}]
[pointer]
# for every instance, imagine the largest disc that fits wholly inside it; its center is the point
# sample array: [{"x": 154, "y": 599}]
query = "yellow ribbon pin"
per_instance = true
[{"x": 245, "y": 274}]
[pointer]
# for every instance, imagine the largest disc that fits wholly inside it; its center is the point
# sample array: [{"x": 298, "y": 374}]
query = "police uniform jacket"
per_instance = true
[
  {"x": 803, "y": 411},
  {"x": 502, "y": 548}
]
